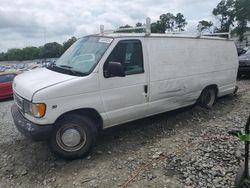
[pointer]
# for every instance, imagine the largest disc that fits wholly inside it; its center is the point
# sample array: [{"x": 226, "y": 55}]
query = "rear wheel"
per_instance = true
[
  {"x": 207, "y": 97},
  {"x": 73, "y": 137}
]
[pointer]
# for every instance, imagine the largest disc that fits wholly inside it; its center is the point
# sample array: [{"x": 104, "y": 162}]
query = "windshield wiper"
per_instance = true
[
  {"x": 65, "y": 69},
  {"x": 74, "y": 72},
  {"x": 66, "y": 66}
]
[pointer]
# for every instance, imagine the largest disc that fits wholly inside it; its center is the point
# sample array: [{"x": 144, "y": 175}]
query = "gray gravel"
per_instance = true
[
  {"x": 8, "y": 130},
  {"x": 187, "y": 148}
]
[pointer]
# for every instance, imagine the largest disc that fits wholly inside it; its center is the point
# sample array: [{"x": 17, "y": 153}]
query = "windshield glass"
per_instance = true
[{"x": 84, "y": 54}]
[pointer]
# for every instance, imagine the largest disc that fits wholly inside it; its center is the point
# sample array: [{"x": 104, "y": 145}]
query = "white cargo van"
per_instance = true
[{"x": 107, "y": 79}]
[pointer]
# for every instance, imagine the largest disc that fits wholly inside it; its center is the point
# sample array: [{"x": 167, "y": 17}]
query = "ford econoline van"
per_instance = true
[{"x": 104, "y": 80}]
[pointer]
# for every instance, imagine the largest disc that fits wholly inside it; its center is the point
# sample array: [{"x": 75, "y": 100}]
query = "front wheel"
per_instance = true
[
  {"x": 207, "y": 97},
  {"x": 73, "y": 137}
]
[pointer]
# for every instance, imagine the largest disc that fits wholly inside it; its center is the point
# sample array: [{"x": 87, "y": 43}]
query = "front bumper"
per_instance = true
[{"x": 29, "y": 129}]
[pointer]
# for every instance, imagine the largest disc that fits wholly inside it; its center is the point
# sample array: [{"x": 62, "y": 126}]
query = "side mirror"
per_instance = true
[{"x": 114, "y": 69}]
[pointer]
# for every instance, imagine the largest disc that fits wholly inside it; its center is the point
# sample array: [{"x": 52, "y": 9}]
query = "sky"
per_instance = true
[{"x": 35, "y": 22}]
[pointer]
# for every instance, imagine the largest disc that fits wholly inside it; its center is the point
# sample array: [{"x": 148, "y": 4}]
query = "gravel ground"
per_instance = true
[
  {"x": 188, "y": 148},
  {"x": 8, "y": 131}
]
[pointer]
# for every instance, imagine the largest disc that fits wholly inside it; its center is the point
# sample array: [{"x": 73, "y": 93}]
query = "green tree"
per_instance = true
[
  {"x": 180, "y": 22},
  {"x": 233, "y": 11},
  {"x": 225, "y": 13},
  {"x": 242, "y": 16},
  {"x": 139, "y": 24},
  {"x": 156, "y": 27},
  {"x": 241, "y": 29},
  {"x": 167, "y": 22},
  {"x": 124, "y": 27},
  {"x": 3, "y": 57},
  {"x": 14, "y": 54},
  {"x": 68, "y": 43},
  {"x": 29, "y": 53},
  {"x": 242, "y": 8},
  {"x": 51, "y": 50},
  {"x": 205, "y": 25}
]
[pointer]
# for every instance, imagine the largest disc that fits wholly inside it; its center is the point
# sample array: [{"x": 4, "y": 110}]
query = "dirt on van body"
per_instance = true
[{"x": 189, "y": 147}]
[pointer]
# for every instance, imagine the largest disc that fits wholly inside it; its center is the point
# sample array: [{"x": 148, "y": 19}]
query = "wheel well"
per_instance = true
[
  {"x": 88, "y": 112},
  {"x": 214, "y": 86}
]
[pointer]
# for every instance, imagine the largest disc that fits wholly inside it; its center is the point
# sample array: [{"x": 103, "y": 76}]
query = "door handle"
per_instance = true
[
  {"x": 146, "y": 89},
  {"x": 145, "y": 93}
]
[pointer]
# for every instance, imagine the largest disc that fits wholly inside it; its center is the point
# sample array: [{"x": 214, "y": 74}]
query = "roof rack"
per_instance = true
[
  {"x": 145, "y": 27},
  {"x": 213, "y": 34},
  {"x": 219, "y": 34}
]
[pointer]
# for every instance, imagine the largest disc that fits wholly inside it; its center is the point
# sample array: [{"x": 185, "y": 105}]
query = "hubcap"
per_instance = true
[{"x": 71, "y": 137}]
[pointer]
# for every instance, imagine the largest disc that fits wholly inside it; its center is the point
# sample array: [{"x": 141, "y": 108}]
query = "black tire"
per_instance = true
[
  {"x": 239, "y": 178},
  {"x": 207, "y": 97},
  {"x": 73, "y": 137}
]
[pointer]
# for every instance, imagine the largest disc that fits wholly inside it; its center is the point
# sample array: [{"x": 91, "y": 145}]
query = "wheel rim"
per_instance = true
[{"x": 71, "y": 137}]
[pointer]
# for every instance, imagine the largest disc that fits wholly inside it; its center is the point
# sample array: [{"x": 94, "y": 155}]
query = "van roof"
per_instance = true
[{"x": 159, "y": 35}]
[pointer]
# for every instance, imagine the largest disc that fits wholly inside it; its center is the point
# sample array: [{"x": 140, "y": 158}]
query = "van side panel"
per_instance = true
[{"x": 180, "y": 68}]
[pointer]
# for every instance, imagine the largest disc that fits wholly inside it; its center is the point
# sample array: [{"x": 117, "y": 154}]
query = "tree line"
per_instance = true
[{"x": 49, "y": 50}]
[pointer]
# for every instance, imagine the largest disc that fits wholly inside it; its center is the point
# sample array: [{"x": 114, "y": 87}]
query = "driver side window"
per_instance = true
[{"x": 129, "y": 54}]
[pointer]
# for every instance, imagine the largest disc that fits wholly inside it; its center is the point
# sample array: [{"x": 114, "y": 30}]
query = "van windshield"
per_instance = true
[{"x": 82, "y": 56}]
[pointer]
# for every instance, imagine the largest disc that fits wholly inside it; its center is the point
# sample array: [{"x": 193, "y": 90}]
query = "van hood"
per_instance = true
[{"x": 28, "y": 83}]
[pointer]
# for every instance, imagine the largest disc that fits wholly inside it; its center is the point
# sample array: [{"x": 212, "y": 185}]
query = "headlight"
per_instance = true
[{"x": 34, "y": 109}]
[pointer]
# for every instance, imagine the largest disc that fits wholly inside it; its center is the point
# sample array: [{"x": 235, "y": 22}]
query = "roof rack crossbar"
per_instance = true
[
  {"x": 146, "y": 28},
  {"x": 213, "y": 34},
  {"x": 131, "y": 28},
  {"x": 218, "y": 34}
]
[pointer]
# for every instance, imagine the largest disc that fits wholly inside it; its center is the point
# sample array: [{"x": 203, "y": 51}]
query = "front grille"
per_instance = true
[{"x": 18, "y": 101}]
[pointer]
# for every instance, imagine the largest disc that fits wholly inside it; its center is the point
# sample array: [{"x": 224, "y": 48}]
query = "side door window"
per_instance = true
[{"x": 129, "y": 54}]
